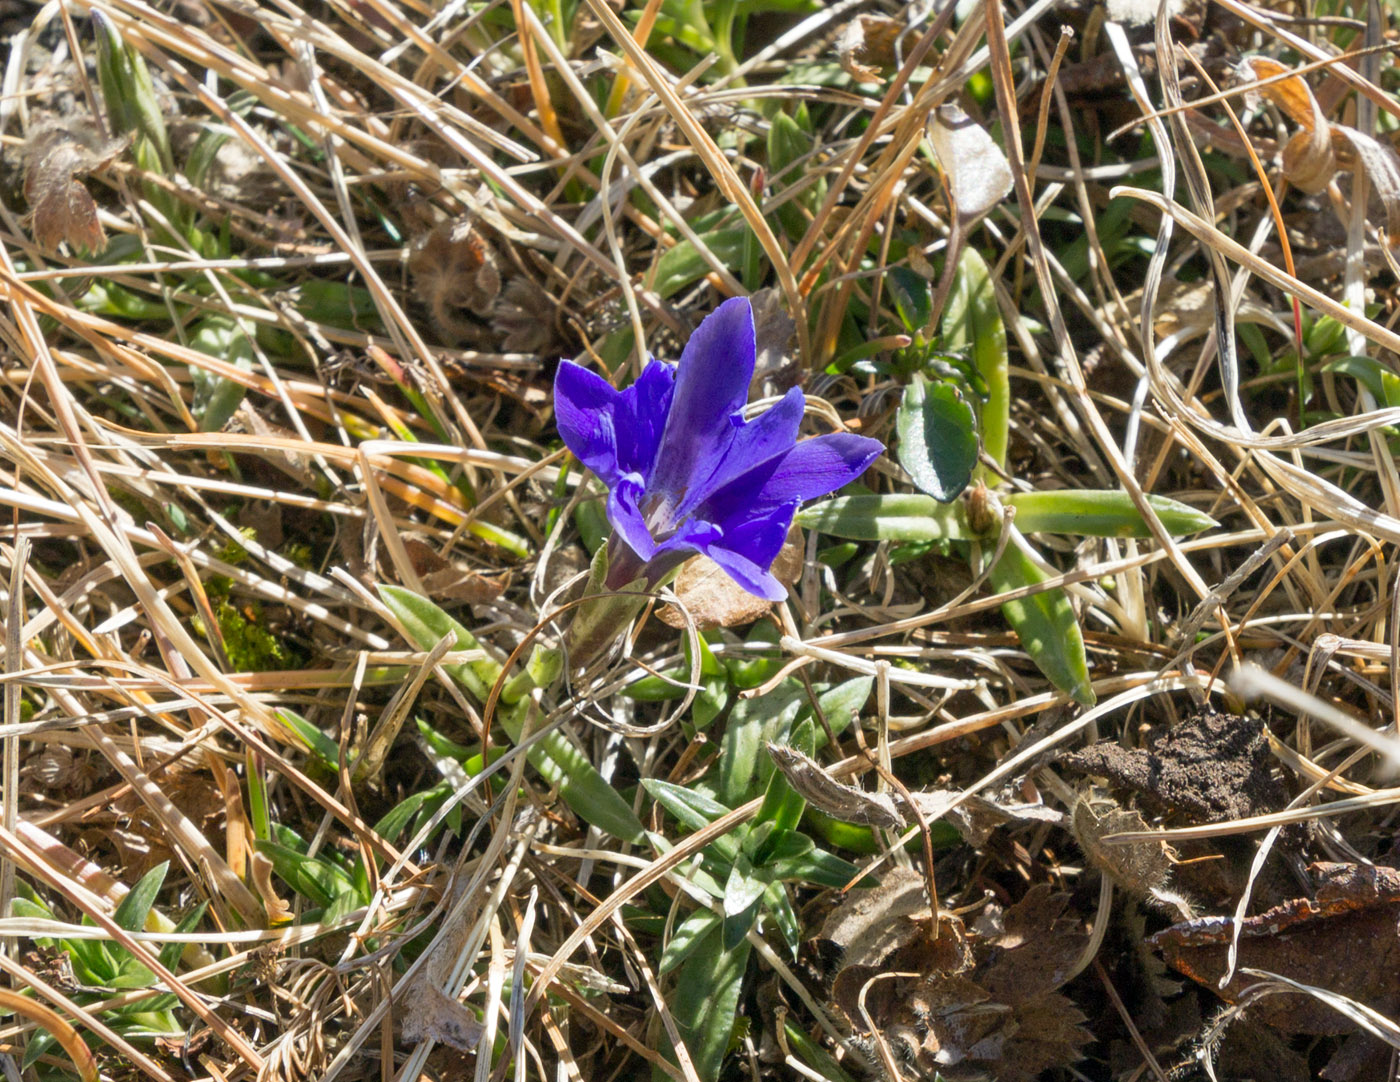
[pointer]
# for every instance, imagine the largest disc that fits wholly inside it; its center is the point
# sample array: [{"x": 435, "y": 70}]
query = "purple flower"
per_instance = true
[{"x": 686, "y": 473}]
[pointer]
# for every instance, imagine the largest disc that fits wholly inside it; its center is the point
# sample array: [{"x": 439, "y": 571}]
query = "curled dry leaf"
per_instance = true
[
  {"x": 978, "y": 175},
  {"x": 446, "y": 581},
  {"x": 866, "y": 44},
  {"x": 974, "y": 816},
  {"x": 715, "y": 600},
  {"x": 459, "y": 272},
  {"x": 455, "y": 267},
  {"x": 1344, "y": 941},
  {"x": 1314, "y": 155},
  {"x": 1143, "y": 869},
  {"x": 57, "y": 157}
]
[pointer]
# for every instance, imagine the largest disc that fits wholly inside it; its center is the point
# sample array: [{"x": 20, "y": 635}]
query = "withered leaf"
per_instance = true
[
  {"x": 870, "y": 924},
  {"x": 61, "y": 208},
  {"x": 972, "y": 1005},
  {"x": 715, "y": 600},
  {"x": 1312, "y": 157},
  {"x": 1143, "y": 869},
  {"x": 1345, "y": 941},
  {"x": 455, "y": 270},
  {"x": 866, "y": 44},
  {"x": 830, "y": 797},
  {"x": 445, "y": 581}
]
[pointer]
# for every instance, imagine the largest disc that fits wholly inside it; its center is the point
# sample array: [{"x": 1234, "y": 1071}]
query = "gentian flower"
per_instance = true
[{"x": 686, "y": 473}]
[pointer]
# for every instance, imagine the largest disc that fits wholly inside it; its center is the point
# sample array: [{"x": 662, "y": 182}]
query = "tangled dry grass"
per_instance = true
[{"x": 256, "y": 824}]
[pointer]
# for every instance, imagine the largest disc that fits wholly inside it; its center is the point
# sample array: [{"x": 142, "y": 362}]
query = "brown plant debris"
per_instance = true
[
  {"x": 473, "y": 295},
  {"x": 1344, "y": 941},
  {"x": 62, "y": 211},
  {"x": 1143, "y": 869},
  {"x": 967, "y": 1002}
]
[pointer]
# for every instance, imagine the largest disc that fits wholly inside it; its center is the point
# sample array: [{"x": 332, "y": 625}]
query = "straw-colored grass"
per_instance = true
[{"x": 416, "y": 211}]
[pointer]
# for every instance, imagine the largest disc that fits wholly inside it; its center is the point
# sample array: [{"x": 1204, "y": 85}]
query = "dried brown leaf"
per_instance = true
[
  {"x": 61, "y": 208},
  {"x": 972, "y": 1005},
  {"x": 871, "y": 924},
  {"x": 830, "y": 797},
  {"x": 866, "y": 44},
  {"x": 715, "y": 600},
  {"x": 1344, "y": 941}
]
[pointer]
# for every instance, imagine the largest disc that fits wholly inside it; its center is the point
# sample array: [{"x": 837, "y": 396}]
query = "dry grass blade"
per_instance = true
[{"x": 294, "y": 783}]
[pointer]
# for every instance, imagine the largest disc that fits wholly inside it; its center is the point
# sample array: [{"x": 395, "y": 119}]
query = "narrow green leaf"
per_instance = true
[
  {"x": 317, "y": 742},
  {"x": 800, "y": 1041},
  {"x": 840, "y": 705},
  {"x": 888, "y": 518},
  {"x": 683, "y": 265},
  {"x": 812, "y": 867},
  {"x": 743, "y": 893},
  {"x": 751, "y": 724},
  {"x": 563, "y": 765},
  {"x": 694, "y": 810},
  {"x": 171, "y": 952},
  {"x": 688, "y": 935},
  {"x": 1101, "y": 513},
  {"x": 913, "y": 300},
  {"x": 937, "y": 438},
  {"x": 1045, "y": 624},
  {"x": 705, "y": 1002},
  {"x": 129, "y": 92},
  {"x": 972, "y": 321},
  {"x": 1376, "y": 377},
  {"x": 425, "y": 624},
  {"x": 216, "y": 397},
  {"x": 313, "y": 879},
  {"x": 131, "y": 913},
  {"x": 777, "y": 903}
]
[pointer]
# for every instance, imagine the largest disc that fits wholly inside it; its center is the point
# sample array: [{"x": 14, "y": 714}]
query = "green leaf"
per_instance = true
[
  {"x": 789, "y": 142},
  {"x": 132, "y": 912},
  {"x": 972, "y": 321},
  {"x": 815, "y": 1056},
  {"x": 913, "y": 300},
  {"x": 743, "y": 893},
  {"x": 812, "y": 867},
  {"x": 129, "y": 92},
  {"x": 694, "y": 810},
  {"x": 425, "y": 624},
  {"x": 317, "y": 742},
  {"x": 216, "y": 397},
  {"x": 751, "y": 724},
  {"x": 313, "y": 879},
  {"x": 170, "y": 953},
  {"x": 839, "y": 706},
  {"x": 1376, "y": 377},
  {"x": 1101, "y": 513},
  {"x": 888, "y": 518},
  {"x": 683, "y": 265},
  {"x": 1045, "y": 624},
  {"x": 777, "y": 903},
  {"x": 591, "y": 796},
  {"x": 937, "y": 441},
  {"x": 688, "y": 935},
  {"x": 705, "y": 1002}
]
